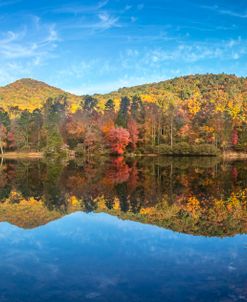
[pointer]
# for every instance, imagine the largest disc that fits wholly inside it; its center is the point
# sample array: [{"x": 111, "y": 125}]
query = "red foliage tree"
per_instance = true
[
  {"x": 134, "y": 133},
  {"x": 234, "y": 173},
  {"x": 11, "y": 140},
  {"x": 118, "y": 139},
  {"x": 235, "y": 137},
  {"x": 75, "y": 127}
]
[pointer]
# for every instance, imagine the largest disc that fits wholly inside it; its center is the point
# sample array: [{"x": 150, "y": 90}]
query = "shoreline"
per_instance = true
[
  {"x": 230, "y": 155},
  {"x": 14, "y": 155}
]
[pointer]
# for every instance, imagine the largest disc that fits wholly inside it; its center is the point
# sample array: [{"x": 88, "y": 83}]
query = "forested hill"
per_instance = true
[
  {"x": 207, "y": 86},
  {"x": 188, "y": 115},
  {"x": 31, "y": 94}
]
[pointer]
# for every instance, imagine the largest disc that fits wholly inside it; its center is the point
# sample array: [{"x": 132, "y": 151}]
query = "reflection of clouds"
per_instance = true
[
  {"x": 92, "y": 295},
  {"x": 30, "y": 264},
  {"x": 231, "y": 268},
  {"x": 106, "y": 282},
  {"x": 85, "y": 256}
]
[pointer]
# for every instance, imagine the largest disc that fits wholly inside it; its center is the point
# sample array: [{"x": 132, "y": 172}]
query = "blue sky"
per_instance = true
[{"x": 99, "y": 46}]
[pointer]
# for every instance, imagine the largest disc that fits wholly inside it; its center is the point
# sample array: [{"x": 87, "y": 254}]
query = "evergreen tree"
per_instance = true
[
  {"x": 90, "y": 104},
  {"x": 109, "y": 105},
  {"x": 4, "y": 119},
  {"x": 23, "y": 130},
  {"x": 54, "y": 116},
  {"x": 137, "y": 109},
  {"x": 123, "y": 114}
]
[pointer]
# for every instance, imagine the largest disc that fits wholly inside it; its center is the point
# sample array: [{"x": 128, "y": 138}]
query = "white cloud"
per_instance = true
[
  {"x": 106, "y": 21},
  {"x": 81, "y": 9},
  {"x": 186, "y": 53},
  {"x": 127, "y": 7},
  {"x": 7, "y": 3},
  {"x": 153, "y": 64},
  {"x": 227, "y": 12},
  {"x": 27, "y": 43},
  {"x": 140, "y": 6},
  {"x": 100, "y": 22},
  {"x": 25, "y": 49}
]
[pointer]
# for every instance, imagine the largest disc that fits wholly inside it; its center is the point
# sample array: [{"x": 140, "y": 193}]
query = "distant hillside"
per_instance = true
[
  {"x": 31, "y": 94},
  {"x": 185, "y": 87}
]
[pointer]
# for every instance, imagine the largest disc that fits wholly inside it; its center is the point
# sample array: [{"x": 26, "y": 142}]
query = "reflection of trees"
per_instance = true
[
  {"x": 117, "y": 171},
  {"x": 190, "y": 188},
  {"x": 109, "y": 201},
  {"x": 54, "y": 196},
  {"x": 90, "y": 204},
  {"x": 137, "y": 198},
  {"x": 5, "y": 186},
  {"x": 122, "y": 194},
  {"x": 28, "y": 179}
]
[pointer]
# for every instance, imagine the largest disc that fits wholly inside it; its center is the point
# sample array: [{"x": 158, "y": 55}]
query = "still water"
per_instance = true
[{"x": 156, "y": 229}]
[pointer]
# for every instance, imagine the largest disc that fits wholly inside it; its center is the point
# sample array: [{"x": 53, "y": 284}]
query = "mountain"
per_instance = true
[
  {"x": 31, "y": 94},
  {"x": 185, "y": 87}
]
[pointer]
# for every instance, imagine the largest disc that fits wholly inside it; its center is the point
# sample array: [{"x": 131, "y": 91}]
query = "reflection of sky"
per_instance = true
[{"x": 97, "y": 257}]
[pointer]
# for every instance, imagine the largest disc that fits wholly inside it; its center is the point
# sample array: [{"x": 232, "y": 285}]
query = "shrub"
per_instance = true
[
  {"x": 182, "y": 149},
  {"x": 79, "y": 150},
  {"x": 205, "y": 149},
  {"x": 148, "y": 149},
  {"x": 56, "y": 151},
  {"x": 164, "y": 149}
]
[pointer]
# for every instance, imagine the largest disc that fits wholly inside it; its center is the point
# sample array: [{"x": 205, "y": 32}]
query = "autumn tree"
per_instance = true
[
  {"x": 23, "y": 130},
  {"x": 133, "y": 132},
  {"x": 234, "y": 137},
  {"x": 3, "y": 137},
  {"x": 36, "y": 126},
  {"x": 75, "y": 127},
  {"x": 118, "y": 139}
]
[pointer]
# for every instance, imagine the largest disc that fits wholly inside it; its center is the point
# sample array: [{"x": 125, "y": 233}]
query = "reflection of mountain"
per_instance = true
[
  {"x": 200, "y": 197},
  {"x": 31, "y": 214},
  {"x": 27, "y": 214}
]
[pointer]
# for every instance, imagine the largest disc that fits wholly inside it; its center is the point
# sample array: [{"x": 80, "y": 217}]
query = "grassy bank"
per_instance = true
[
  {"x": 230, "y": 155},
  {"x": 13, "y": 155}
]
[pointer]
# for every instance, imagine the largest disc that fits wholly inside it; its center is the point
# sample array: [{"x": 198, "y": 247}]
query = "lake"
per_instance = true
[{"x": 151, "y": 229}]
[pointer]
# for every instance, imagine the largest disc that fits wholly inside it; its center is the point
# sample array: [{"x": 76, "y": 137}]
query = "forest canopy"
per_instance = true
[{"x": 192, "y": 115}]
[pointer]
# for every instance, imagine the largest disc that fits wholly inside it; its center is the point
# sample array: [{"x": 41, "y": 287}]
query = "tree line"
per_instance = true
[{"x": 168, "y": 126}]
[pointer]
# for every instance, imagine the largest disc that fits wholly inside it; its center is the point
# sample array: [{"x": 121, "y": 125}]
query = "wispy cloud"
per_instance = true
[
  {"x": 80, "y": 9},
  {"x": 227, "y": 12},
  {"x": 232, "y": 49},
  {"x": 107, "y": 21},
  {"x": 100, "y": 22},
  {"x": 26, "y": 48},
  {"x": 27, "y": 42},
  {"x": 151, "y": 64},
  {"x": 7, "y": 3}
]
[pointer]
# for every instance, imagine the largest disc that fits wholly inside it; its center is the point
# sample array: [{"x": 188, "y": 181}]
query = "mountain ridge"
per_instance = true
[{"x": 28, "y": 93}]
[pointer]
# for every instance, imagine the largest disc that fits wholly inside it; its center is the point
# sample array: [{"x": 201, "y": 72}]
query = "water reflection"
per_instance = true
[
  {"x": 197, "y": 196},
  {"x": 98, "y": 257}
]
